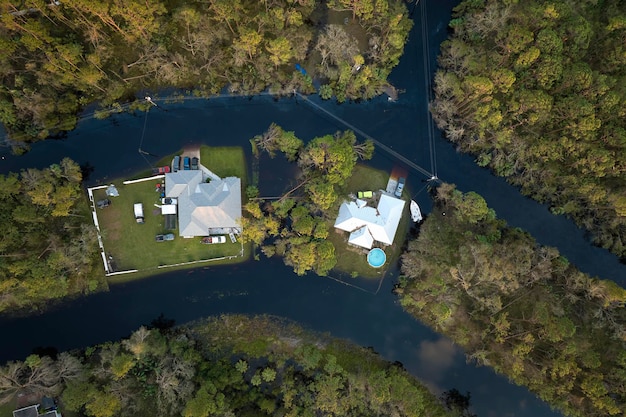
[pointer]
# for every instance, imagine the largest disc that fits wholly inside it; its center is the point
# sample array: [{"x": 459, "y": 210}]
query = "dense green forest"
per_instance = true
[
  {"x": 537, "y": 90},
  {"x": 49, "y": 246},
  {"x": 228, "y": 366},
  {"x": 518, "y": 307},
  {"x": 296, "y": 225},
  {"x": 57, "y": 57}
]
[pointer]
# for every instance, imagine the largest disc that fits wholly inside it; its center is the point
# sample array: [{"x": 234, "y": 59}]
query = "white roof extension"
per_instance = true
[
  {"x": 203, "y": 206},
  {"x": 369, "y": 224}
]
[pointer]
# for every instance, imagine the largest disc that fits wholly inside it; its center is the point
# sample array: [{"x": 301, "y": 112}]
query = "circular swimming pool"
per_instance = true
[{"x": 376, "y": 258}]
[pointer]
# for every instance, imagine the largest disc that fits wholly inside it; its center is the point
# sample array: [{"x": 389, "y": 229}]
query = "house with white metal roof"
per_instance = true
[
  {"x": 368, "y": 224},
  {"x": 205, "y": 208}
]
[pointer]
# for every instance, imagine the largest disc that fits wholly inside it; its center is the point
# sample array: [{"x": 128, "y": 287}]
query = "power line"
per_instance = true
[
  {"x": 143, "y": 133},
  {"x": 428, "y": 87},
  {"x": 421, "y": 189},
  {"x": 121, "y": 107},
  {"x": 365, "y": 135}
]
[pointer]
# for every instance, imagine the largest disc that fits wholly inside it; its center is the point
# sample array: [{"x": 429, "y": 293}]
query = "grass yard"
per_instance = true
[
  {"x": 7, "y": 409},
  {"x": 353, "y": 260},
  {"x": 133, "y": 245},
  {"x": 365, "y": 178},
  {"x": 225, "y": 161}
]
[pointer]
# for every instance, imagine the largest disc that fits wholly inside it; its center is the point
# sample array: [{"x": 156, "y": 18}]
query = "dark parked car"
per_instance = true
[
  {"x": 176, "y": 163},
  {"x": 103, "y": 203},
  {"x": 194, "y": 163},
  {"x": 163, "y": 238},
  {"x": 186, "y": 165},
  {"x": 400, "y": 187}
]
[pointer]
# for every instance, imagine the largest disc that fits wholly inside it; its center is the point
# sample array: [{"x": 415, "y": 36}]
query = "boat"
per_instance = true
[{"x": 416, "y": 213}]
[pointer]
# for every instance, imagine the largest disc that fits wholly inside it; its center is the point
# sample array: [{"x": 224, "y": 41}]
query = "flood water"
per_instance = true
[{"x": 268, "y": 287}]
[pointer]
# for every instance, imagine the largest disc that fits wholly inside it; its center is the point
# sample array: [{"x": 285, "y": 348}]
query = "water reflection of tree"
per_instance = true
[{"x": 458, "y": 403}]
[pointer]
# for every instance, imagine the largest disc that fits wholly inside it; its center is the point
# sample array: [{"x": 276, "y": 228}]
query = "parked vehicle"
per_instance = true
[
  {"x": 186, "y": 163},
  {"x": 164, "y": 238},
  {"x": 169, "y": 200},
  {"x": 400, "y": 187},
  {"x": 160, "y": 170},
  {"x": 103, "y": 203},
  {"x": 194, "y": 163},
  {"x": 176, "y": 163},
  {"x": 138, "y": 208},
  {"x": 213, "y": 239}
]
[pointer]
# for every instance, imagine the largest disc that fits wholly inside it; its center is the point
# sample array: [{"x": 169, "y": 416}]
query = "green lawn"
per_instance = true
[
  {"x": 7, "y": 409},
  {"x": 133, "y": 245},
  {"x": 365, "y": 178},
  {"x": 225, "y": 162},
  {"x": 353, "y": 260}
]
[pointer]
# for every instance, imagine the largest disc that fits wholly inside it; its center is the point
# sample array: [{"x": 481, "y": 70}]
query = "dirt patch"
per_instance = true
[
  {"x": 192, "y": 151},
  {"x": 24, "y": 399},
  {"x": 114, "y": 228}
]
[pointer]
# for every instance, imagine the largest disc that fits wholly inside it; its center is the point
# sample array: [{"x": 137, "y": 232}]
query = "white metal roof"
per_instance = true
[
  {"x": 168, "y": 209},
  {"x": 381, "y": 222},
  {"x": 361, "y": 237}
]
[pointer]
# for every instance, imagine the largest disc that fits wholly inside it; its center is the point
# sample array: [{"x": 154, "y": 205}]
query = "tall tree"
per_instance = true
[
  {"x": 517, "y": 307},
  {"x": 544, "y": 115}
]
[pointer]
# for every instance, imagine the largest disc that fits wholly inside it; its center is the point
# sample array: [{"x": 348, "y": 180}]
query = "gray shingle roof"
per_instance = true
[
  {"x": 203, "y": 206},
  {"x": 213, "y": 205},
  {"x": 182, "y": 181}
]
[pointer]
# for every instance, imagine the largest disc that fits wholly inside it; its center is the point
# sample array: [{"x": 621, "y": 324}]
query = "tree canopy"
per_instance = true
[
  {"x": 518, "y": 307},
  {"x": 58, "y": 57},
  {"x": 537, "y": 91},
  {"x": 296, "y": 225},
  {"x": 49, "y": 247},
  {"x": 227, "y": 366}
]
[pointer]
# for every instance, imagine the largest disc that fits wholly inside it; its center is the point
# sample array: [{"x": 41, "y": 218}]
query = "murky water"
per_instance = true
[{"x": 269, "y": 287}]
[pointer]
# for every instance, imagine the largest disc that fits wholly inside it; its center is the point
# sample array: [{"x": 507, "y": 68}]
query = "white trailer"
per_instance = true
[{"x": 139, "y": 212}]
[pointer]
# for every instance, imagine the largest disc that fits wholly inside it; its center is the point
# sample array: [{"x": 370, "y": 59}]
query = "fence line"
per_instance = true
[
  {"x": 155, "y": 177},
  {"x": 130, "y": 271},
  {"x": 97, "y": 224},
  {"x": 101, "y": 244},
  {"x": 99, "y": 187},
  {"x": 196, "y": 262}
]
